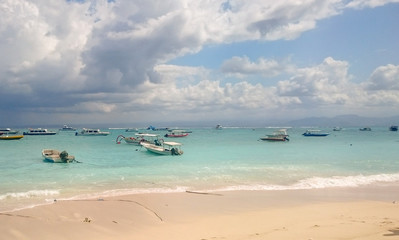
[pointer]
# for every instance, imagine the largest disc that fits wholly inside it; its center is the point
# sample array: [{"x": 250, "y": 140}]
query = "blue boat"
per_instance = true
[{"x": 315, "y": 133}]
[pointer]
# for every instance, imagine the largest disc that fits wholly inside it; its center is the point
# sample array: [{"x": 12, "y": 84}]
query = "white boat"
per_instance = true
[
  {"x": 39, "y": 131},
  {"x": 55, "y": 156},
  {"x": 91, "y": 132},
  {"x": 337, "y": 129},
  {"x": 67, "y": 128},
  {"x": 279, "y": 135},
  {"x": 8, "y": 131},
  {"x": 139, "y": 138},
  {"x": 164, "y": 148},
  {"x": 315, "y": 133},
  {"x": 131, "y": 130},
  {"x": 219, "y": 127}
]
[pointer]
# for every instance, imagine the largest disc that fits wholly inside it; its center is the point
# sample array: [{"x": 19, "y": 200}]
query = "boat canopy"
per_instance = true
[{"x": 172, "y": 143}]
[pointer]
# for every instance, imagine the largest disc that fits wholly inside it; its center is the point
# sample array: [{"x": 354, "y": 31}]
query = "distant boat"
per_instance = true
[
  {"x": 67, "y": 128},
  {"x": 337, "y": 128},
  {"x": 8, "y": 131},
  {"x": 393, "y": 128},
  {"x": 219, "y": 127},
  {"x": 157, "y": 129},
  {"x": 39, "y": 131},
  {"x": 55, "y": 156},
  {"x": 164, "y": 148},
  {"x": 365, "y": 129},
  {"x": 176, "y": 133},
  {"x": 12, "y": 137},
  {"x": 279, "y": 135},
  {"x": 139, "y": 138},
  {"x": 315, "y": 133},
  {"x": 91, "y": 132},
  {"x": 131, "y": 130}
]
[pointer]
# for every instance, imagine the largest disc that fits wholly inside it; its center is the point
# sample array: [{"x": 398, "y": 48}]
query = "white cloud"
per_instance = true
[
  {"x": 384, "y": 78},
  {"x": 109, "y": 56},
  {"x": 368, "y": 3}
]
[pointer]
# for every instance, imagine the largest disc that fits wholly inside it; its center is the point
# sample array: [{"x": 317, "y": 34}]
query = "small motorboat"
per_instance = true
[
  {"x": 277, "y": 136},
  {"x": 365, "y": 129},
  {"x": 12, "y": 137},
  {"x": 393, "y": 128},
  {"x": 315, "y": 133},
  {"x": 164, "y": 148},
  {"x": 67, "y": 128},
  {"x": 8, "y": 131},
  {"x": 139, "y": 138},
  {"x": 176, "y": 133},
  {"x": 55, "y": 156}
]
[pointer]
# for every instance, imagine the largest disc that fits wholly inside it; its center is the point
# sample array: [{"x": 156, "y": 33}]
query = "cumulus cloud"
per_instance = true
[{"x": 384, "y": 78}]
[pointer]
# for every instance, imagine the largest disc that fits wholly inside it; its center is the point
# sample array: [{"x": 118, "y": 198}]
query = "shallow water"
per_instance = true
[{"x": 213, "y": 160}]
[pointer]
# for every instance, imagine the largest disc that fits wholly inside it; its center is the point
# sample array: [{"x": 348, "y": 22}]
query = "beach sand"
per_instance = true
[{"x": 351, "y": 213}]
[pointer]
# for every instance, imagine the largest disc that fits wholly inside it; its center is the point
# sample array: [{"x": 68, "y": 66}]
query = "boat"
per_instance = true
[
  {"x": 279, "y": 135},
  {"x": 337, "y": 128},
  {"x": 315, "y": 133},
  {"x": 12, "y": 137},
  {"x": 55, "y": 156},
  {"x": 131, "y": 130},
  {"x": 67, "y": 128},
  {"x": 393, "y": 128},
  {"x": 219, "y": 127},
  {"x": 164, "y": 148},
  {"x": 139, "y": 138},
  {"x": 91, "y": 132},
  {"x": 39, "y": 131},
  {"x": 8, "y": 131},
  {"x": 176, "y": 133},
  {"x": 365, "y": 129},
  {"x": 157, "y": 129}
]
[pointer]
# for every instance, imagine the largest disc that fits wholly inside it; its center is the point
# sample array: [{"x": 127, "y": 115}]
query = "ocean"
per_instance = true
[{"x": 213, "y": 160}]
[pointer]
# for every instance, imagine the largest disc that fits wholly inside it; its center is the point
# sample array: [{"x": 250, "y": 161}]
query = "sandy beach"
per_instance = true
[{"x": 351, "y": 213}]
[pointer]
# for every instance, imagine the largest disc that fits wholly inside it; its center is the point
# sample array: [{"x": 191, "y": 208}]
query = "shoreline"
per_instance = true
[{"x": 352, "y": 213}]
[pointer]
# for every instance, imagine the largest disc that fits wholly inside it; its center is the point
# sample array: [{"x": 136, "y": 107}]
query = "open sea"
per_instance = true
[{"x": 213, "y": 160}]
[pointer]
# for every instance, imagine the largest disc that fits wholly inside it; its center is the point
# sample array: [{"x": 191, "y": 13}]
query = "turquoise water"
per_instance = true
[{"x": 213, "y": 160}]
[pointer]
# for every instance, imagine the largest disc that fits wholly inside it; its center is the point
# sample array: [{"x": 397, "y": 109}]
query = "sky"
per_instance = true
[{"x": 153, "y": 61}]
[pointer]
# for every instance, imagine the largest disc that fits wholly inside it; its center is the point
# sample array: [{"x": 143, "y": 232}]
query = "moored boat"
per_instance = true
[
  {"x": 8, "y": 131},
  {"x": 393, "y": 128},
  {"x": 279, "y": 135},
  {"x": 314, "y": 133},
  {"x": 67, "y": 128},
  {"x": 39, "y": 132},
  {"x": 177, "y": 133},
  {"x": 139, "y": 138},
  {"x": 55, "y": 156},
  {"x": 12, "y": 137},
  {"x": 91, "y": 132},
  {"x": 164, "y": 148},
  {"x": 365, "y": 129}
]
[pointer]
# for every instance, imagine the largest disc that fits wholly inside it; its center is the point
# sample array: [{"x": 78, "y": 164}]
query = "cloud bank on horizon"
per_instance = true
[{"x": 132, "y": 61}]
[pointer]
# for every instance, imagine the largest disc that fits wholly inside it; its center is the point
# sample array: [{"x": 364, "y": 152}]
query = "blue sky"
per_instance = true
[{"x": 129, "y": 62}]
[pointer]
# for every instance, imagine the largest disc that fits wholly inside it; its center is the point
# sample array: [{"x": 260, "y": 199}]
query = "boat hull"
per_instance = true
[
  {"x": 161, "y": 150},
  {"x": 54, "y": 156},
  {"x": 274, "y": 139},
  {"x": 315, "y": 134},
  {"x": 40, "y": 134},
  {"x": 14, "y": 137}
]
